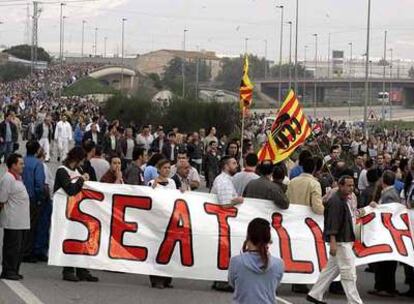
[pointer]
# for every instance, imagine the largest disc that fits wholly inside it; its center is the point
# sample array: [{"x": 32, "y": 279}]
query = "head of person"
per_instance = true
[
  {"x": 213, "y": 146},
  {"x": 266, "y": 168},
  {"x": 41, "y": 154},
  {"x": 15, "y": 163},
  {"x": 94, "y": 128},
  {"x": 146, "y": 130},
  {"x": 98, "y": 151},
  {"x": 164, "y": 168},
  {"x": 369, "y": 163},
  {"x": 9, "y": 115},
  {"x": 372, "y": 176},
  {"x": 75, "y": 157},
  {"x": 64, "y": 118},
  {"x": 251, "y": 160},
  {"x": 32, "y": 148},
  {"x": 335, "y": 152},
  {"x": 47, "y": 120},
  {"x": 387, "y": 159},
  {"x": 397, "y": 171},
  {"x": 212, "y": 131},
  {"x": 90, "y": 148},
  {"x": 183, "y": 168},
  {"x": 359, "y": 160},
  {"x": 161, "y": 134},
  {"x": 202, "y": 132},
  {"x": 182, "y": 155},
  {"x": 308, "y": 165},
  {"x": 195, "y": 137},
  {"x": 115, "y": 162},
  {"x": 129, "y": 133},
  {"x": 258, "y": 239},
  {"x": 279, "y": 173},
  {"x": 346, "y": 185},
  {"x": 232, "y": 149},
  {"x": 388, "y": 178},
  {"x": 113, "y": 129},
  {"x": 304, "y": 154},
  {"x": 154, "y": 159},
  {"x": 172, "y": 138},
  {"x": 229, "y": 165},
  {"x": 380, "y": 160},
  {"x": 139, "y": 155}
]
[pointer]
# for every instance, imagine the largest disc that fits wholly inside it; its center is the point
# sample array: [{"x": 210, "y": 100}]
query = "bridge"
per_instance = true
[
  {"x": 112, "y": 75},
  {"x": 339, "y": 89}
]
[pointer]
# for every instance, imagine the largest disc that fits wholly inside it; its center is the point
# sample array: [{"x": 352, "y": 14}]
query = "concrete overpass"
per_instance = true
[
  {"x": 112, "y": 75},
  {"x": 337, "y": 90}
]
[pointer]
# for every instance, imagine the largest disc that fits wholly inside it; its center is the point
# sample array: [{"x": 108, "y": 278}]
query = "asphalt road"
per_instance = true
[{"x": 43, "y": 285}]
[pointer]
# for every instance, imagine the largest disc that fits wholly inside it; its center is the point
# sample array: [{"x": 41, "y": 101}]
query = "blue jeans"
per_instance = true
[{"x": 6, "y": 149}]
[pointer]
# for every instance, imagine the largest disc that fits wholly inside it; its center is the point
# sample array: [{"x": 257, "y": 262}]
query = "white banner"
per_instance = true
[{"x": 168, "y": 233}]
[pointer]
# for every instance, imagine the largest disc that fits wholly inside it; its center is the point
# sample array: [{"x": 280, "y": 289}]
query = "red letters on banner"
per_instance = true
[
  {"x": 286, "y": 249},
  {"x": 117, "y": 249},
  {"x": 224, "y": 247},
  {"x": 319, "y": 242},
  {"x": 73, "y": 213},
  {"x": 178, "y": 230},
  {"x": 397, "y": 234},
  {"x": 359, "y": 247}
]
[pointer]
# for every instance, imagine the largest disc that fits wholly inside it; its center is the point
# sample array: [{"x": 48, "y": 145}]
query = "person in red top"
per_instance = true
[{"x": 114, "y": 174}]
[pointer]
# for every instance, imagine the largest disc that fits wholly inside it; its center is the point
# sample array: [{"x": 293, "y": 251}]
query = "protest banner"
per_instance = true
[{"x": 189, "y": 235}]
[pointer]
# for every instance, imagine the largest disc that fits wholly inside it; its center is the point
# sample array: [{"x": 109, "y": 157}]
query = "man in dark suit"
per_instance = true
[
  {"x": 8, "y": 135},
  {"x": 170, "y": 149},
  {"x": 93, "y": 135}
]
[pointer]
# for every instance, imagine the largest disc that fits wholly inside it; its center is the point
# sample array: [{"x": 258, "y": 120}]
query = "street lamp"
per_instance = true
[
  {"x": 329, "y": 55},
  {"x": 315, "y": 75},
  {"x": 384, "y": 62},
  {"x": 390, "y": 95},
  {"x": 350, "y": 80},
  {"x": 61, "y": 48},
  {"x": 290, "y": 53},
  {"x": 296, "y": 46},
  {"x": 265, "y": 61},
  {"x": 105, "y": 42},
  {"x": 183, "y": 61},
  {"x": 304, "y": 76},
  {"x": 121, "y": 85},
  {"x": 96, "y": 41},
  {"x": 281, "y": 7},
  {"x": 83, "y": 37},
  {"x": 367, "y": 70}
]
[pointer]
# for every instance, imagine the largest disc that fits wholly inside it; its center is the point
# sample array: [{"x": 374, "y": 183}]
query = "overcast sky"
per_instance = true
[{"x": 217, "y": 25}]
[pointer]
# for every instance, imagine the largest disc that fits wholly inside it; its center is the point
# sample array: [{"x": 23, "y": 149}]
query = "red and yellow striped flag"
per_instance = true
[
  {"x": 246, "y": 87},
  {"x": 288, "y": 132}
]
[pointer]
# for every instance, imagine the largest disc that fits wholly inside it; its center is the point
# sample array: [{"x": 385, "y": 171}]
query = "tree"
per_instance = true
[
  {"x": 24, "y": 51},
  {"x": 13, "y": 71},
  {"x": 173, "y": 78},
  {"x": 411, "y": 73}
]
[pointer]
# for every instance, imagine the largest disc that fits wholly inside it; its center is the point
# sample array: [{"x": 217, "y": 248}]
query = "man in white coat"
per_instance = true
[{"x": 63, "y": 135}]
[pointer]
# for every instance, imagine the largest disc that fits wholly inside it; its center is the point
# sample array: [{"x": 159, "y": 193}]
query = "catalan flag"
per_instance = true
[
  {"x": 289, "y": 131},
  {"x": 246, "y": 87}
]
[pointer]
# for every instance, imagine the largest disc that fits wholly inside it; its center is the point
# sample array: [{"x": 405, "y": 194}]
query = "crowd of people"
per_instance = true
[{"x": 337, "y": 173}]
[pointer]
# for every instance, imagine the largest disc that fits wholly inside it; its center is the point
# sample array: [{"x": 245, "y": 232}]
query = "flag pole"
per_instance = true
[{"x": 242, "y": 137}]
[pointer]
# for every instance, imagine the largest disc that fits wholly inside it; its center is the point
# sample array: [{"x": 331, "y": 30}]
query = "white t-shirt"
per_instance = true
[
  {"x": 15, "y": 213},
  {"x": 171, "y": 185},
  {"x": 101, "y": 166}
]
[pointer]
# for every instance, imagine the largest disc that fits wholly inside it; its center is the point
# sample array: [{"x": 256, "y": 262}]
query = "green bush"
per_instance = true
[
  {"x": 87, "y": 86},
  {"x": 13, "y": 71},
  {"x": 24, "y": 51},
  {"x": 186, "y": 114}
]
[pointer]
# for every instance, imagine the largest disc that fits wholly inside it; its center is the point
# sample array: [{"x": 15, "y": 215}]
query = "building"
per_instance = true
[{"x": 157, "y": 61}]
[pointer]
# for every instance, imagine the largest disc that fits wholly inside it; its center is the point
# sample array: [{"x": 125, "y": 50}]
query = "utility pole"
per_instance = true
[
  {"x": 96, "y": 41},
  {"x": 315, "y": 76},
  {"x": 367, "y": 70},
  {"x": 121, "y": 85},
  {"x": 61, "y": 49},
  {"x": 279, "y": 100},
  {"x": 265, "y": 59},
  {"x": 33, "y": 53},
  {"x": 246, "y": 41},
  {"x": 383, "y": 75},
  {"x": 83, "y": 38},
  {"x": 350, "y": 80},
  {"x": 304, "y": 76},
  {"x": 391, "y": 66},
  {"x": 290, "y": 54},
  {"x": 197, "y": 73},
  {"x": 26, "y": 39},
  {"x": 296, "y": 46},
  {"x": 329, "y": 55},
  {"x": 105, "y": 41},
  {"x": 183, "y": 62}
]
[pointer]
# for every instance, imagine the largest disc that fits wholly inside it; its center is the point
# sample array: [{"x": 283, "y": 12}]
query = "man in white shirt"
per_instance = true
[
  {"x": 63, "y": 135},
  {"x": 145, "y": 138},
  {"x": 241, "y": 179},
  {"x": 99, "y": 164},
  {"x": 14, "y": 217},
  {"x": 193, "y": 176},
  {"x": 44, "y": 133}
]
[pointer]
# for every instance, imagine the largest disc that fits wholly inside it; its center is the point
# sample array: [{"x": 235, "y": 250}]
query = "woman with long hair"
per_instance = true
[{"x": 255, "y": 274}]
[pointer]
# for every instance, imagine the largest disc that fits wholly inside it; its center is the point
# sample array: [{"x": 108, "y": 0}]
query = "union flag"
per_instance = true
[
  {"x": 246, "y": 87},
  {"x": 289, "y": 131}
]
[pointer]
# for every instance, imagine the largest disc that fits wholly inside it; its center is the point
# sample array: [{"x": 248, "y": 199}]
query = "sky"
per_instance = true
[{"x": 216, "y": 25}]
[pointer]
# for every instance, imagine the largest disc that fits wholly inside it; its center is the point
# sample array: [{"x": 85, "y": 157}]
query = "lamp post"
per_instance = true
[
  {"x": 329, "y": 55},
  {"x": 246, "y": 44},
  {"x": 105, "y": 42},
  {"x": 384, "y": 63},
  {"x": 83, "y": 38},
  {"x": 265, "y": 59},
  {"x": 367, "y": 69},
  {"x": 304, "y": 72},
  {"x": 96, "y": 41},
  {"x": 315, "y": 75},
  {"x": 183, "y": 62},
  {"x": 350, "y": 78},
  {"x": 296, "y": 46},
  {"x": 281, "y": 7},
  {"x": 290, "y": 53},
  {"x": 391, "y": 59},
  {"x": 123, "y": 53}
]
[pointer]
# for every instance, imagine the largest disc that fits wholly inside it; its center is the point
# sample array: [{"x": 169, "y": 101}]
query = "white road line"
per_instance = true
[
  {"x": 25, "y": 294},
  {"x": 280, "y": 300}
]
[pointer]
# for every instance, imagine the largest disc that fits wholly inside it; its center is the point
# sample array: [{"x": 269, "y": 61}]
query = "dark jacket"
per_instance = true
[
  {"x": 123, "y": 145},
  {"x": 166, "y": 150},
  {"x": 87, "y": 168},
  {"x": 338, "y": 220},
  {"x": 262, "y": 188},
  {"x": 211, "y": 168},
  {"x": 13, "y": 128},
  {"x": 39, "y": 132},
  {"x": 155, "y": 146},
  {"x": 107, "y": 149},
  {"x": 133, "y": 175},
  {"x": 63, "y": 180},
  {"x": 366, "y": 196},
  {"x": 88, "y": 136}
]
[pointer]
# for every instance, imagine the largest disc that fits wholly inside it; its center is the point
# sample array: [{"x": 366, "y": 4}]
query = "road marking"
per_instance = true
[
  {"x": 280, "y": 300},
  {"x": 25, "y": 294}
]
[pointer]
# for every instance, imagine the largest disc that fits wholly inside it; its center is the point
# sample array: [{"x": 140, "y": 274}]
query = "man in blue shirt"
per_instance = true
[
  {"x": 298, "y": 169},
  {"x": 34, "y": 180}
]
